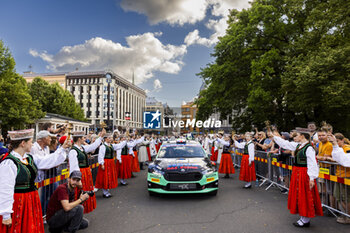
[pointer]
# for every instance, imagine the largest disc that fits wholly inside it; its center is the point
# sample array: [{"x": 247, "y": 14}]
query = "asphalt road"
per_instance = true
[{"x": 234, "y": 209}]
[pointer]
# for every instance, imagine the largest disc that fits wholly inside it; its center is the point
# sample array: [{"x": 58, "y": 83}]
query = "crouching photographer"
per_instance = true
[{"x": 64, "y": 213}]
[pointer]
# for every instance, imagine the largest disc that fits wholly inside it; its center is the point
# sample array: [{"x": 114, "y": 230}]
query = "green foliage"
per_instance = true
[
  {"x": 16, "y": 106},
  {"x": 286, "y": 61},
  {"x": 54, "y": 99}
]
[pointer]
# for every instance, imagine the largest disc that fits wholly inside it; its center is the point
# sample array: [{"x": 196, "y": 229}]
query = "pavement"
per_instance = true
[{"x": 234, "y": 209}]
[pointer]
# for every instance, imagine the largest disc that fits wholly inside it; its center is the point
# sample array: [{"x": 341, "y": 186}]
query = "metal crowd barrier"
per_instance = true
[
  {"x": 50, "y": 179},
  {"x": 333, "y": 181}
]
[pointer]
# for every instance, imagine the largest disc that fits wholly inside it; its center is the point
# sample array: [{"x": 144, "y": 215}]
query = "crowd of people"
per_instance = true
[
  {"x": 122, "y": 154},
  {"x": 23, "y": 163},
  {"x": 306, "y": 149}
]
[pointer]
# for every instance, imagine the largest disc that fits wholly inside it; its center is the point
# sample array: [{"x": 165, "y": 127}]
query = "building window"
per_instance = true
[
  {"x": 82, "y": 105},
  {"x": 89, "y": 88}
]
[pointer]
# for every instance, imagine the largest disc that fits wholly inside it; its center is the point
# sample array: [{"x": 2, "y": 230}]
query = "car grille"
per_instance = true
[{"x": 177, "y": 176}]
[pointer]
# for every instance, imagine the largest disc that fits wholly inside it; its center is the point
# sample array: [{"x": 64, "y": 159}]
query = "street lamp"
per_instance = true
[{"x": 108, "y": 77}]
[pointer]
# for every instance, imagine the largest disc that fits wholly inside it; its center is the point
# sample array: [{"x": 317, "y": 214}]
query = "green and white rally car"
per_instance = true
[{"x": 182, "y": 167}]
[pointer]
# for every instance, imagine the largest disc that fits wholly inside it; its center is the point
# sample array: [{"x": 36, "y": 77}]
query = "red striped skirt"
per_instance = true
[
  {"x": 247, "y": 173},
  {"x": 214, "y": 154},
  {"x": 226, "y": 164},
  {"x": 124, "y": 168},
  {"x": 149, "y": 154},
  {"x": 108, "y": 178},
  {"x": 135, "y": 164},
  {"x": 88, "y": 185},
  {"x": 302, "y": 200},
  {"x": 27, "y": 214}
]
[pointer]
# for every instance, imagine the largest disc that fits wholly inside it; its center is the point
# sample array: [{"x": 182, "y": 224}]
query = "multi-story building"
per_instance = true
[
  {"x": 188, "y": 112},
  {"x": 103, "y": 95},
  {"x": 107, "y": 97}
]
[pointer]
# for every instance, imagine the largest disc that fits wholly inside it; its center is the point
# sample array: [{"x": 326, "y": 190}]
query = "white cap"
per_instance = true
[{"x": 44, "y": 134}]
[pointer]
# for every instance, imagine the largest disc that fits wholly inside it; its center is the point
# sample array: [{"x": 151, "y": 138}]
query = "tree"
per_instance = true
[
  {"x": 283, "y": 61},
  {"x": 53, "y": 99},
  {"x": 16, "y": 106}
]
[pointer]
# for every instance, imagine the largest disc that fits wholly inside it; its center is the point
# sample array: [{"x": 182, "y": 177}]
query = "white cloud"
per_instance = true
[
  {"x": 220, "y": 8},
  {"x": 170, "y": 11},
  {"x": 194, "y": 38},
  {"x": 144, "y": 54},
  {"x": 157, "y": 85}
]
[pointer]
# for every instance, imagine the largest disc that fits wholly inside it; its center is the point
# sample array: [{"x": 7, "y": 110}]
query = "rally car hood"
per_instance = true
[{"x": 183, "y": 164}]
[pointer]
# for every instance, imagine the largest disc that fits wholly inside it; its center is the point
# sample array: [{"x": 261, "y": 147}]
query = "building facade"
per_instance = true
[
  {"x": 103, "y": 95},
  {"x": 188, "y": 112},
  {"x": 107, "y": 97}
]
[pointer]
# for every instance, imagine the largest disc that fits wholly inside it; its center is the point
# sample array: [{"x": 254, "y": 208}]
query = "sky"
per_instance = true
[{"x": 164, "y": 43}]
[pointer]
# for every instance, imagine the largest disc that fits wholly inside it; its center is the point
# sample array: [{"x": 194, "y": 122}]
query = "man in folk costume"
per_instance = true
[
  {"x": 226, "y": 164},
  {"x": 18, "y": 194},
  {"x": 206, "y": 144},
  {"x": 247, "y": 172},
  {"x": 220, "y": 147},
  {"x": 107, "y": 176},
  {"x": 143, "y": 155},
  {"x": 79, "y": 161},
  {"x": 152, "y": 145},
  {"x": 303, "y": 198}
]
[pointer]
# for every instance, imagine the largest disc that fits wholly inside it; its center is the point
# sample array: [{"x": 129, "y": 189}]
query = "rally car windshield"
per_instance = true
[{"x": 181, "y": 151}]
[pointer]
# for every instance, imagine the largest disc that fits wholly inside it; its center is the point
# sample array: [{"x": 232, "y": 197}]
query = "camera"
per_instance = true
[{"x": 91, "y": 193}]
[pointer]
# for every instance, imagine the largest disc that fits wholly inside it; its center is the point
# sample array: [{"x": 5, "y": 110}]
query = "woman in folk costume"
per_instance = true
[
  {"x": 79, "y": 161},
  {"x": 143, "y": 155},
  {"x": 247, "y": 172},
  {"x": 131, "y": 145},
  {"x": 214, "y": 151},
  {"x": 107, "y": 176},
  {"x": 18, "y": 193},
  {"x": 303, "y": 197},
  {"x": 127, "y": 157},
  {"x": 148, "y": 148},
  {"x": 122, "y": 168},
  {"x": 226, "y": 164}
]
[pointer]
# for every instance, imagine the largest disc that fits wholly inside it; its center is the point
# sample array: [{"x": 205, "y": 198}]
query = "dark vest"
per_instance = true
[
  {"x": 125, "y": 150},
  {"x": 226, "y": 149},
  {"x": 109, "y": 152},
  {"x": 300, "y": 156},
  {"x": 246, "y": 152},
  {"x": 82, "y": 157},
  {"x": 26, "y": 174}
]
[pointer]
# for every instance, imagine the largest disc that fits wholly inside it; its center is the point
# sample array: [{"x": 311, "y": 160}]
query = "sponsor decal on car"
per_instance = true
[{"x": 155, "y": 180}]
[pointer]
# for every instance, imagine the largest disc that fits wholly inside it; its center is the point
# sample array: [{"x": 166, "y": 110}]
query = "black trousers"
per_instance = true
[{"x": 68, "y": 221}]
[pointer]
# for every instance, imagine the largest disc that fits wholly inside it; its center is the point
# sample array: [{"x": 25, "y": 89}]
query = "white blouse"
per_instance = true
[
  {"x": 8, "y": 174},
  {"x": 73, "y": 160},
  {"x": 312, "y": 168},
  {"x": 340, "y": 156},
  {"x": 102, "y": 150},
  {"x": 251, "y": 151}
]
